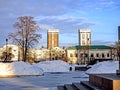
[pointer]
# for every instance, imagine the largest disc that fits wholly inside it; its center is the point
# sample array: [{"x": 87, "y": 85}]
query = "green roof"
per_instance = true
[{"x": 90, "y": 47}]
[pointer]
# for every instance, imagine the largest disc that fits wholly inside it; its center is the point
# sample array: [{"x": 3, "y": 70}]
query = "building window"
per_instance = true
[
  {"x": 83, "y": 42},
  {"x": 92, "y": 55},
  {"x": 103, "y": 55},
  {"x": 62, "y": 55},
  {"x": 81, "y": 55},
  {"x": 83, "y": 36},
  {"x": 108, "y": 55},
  {"x": 86, "y": 55},
  {"x": 14, "y": 50},
  {"x": 76, "y": 55},
  {"x": 71, "y": 55},
  {"x": 97, "y": 55}
]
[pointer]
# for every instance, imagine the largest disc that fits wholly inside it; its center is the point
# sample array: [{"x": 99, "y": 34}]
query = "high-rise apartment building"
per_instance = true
[
  {"x": 84, "y": 37},
  {"x": 52, "y": 38},
  {"x": 118, "y": 32}
]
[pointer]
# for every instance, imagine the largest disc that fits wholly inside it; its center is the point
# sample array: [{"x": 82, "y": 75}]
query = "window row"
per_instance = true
[{"x": 91, "y": 55}]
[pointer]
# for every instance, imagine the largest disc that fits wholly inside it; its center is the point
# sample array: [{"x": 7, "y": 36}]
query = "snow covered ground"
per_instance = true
[
  {"x": 55, "y": 73},
  {"x": 49, "y": 81}
]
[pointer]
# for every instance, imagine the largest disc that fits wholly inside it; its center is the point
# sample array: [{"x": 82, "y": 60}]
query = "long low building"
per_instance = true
[
  {"x": 85, "y": 54},
  {"x": 14, "y": 53},
  {"x": 73, "y": 54}
]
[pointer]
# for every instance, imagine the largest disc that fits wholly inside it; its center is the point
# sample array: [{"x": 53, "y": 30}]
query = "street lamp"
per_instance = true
[
  {"x": 6, "y": 50},
  {"x": 118, "y": 52}
]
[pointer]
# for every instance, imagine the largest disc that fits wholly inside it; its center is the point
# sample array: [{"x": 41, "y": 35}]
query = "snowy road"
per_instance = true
[{"x": 49, "y": 81}]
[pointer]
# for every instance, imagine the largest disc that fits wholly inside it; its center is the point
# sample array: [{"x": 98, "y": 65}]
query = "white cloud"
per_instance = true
[
  {"x": 107, "y": 2},
  {"x": 65, "y": 23},
  {"x": 59, "y": 17},
  {"x": 102, "y": 42},
  {"x": 65, "y": 15},
  {"x": 46, "y": 27}
]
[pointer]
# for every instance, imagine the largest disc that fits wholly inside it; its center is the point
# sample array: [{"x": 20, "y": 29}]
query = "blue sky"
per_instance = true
[{"x": 101, "y": 16}]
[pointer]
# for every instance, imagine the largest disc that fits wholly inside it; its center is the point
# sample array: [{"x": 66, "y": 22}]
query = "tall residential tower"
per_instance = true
[
  {"x": 84, "y": 37},
  {"x": 52, "y": 38}
]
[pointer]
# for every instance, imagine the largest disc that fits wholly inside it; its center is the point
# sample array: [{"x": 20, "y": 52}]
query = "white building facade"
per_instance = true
[
  {"x": 75, "y": 54},
  {"x": 84, "y": 37}
]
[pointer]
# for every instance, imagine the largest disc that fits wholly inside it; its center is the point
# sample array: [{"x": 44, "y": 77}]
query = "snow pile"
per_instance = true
[
  {"x": 54, "y": 66},
  {"x": 22, "y": 68},
  {"x": 104, "y": 67},
  {"x": 19, "y": 68}
]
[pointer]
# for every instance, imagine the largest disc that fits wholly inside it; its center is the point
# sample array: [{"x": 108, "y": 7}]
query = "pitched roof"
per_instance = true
[{"x": 90, "y": 47}]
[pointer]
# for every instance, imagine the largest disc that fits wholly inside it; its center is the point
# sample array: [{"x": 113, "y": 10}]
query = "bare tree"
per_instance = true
[
  {"x": 26, "y": 35},
  {"x": 83, "y": 54}
]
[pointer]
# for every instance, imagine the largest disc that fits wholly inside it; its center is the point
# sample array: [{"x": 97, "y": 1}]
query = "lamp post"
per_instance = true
[
  {"x": 118, "y": 52},
  {"x": 6, "y": 50}
]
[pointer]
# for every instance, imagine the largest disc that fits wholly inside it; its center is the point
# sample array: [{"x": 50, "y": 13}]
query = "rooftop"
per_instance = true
[
  {"x": 53, "y": 30},
  {"x": 90, "y": 47}
]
